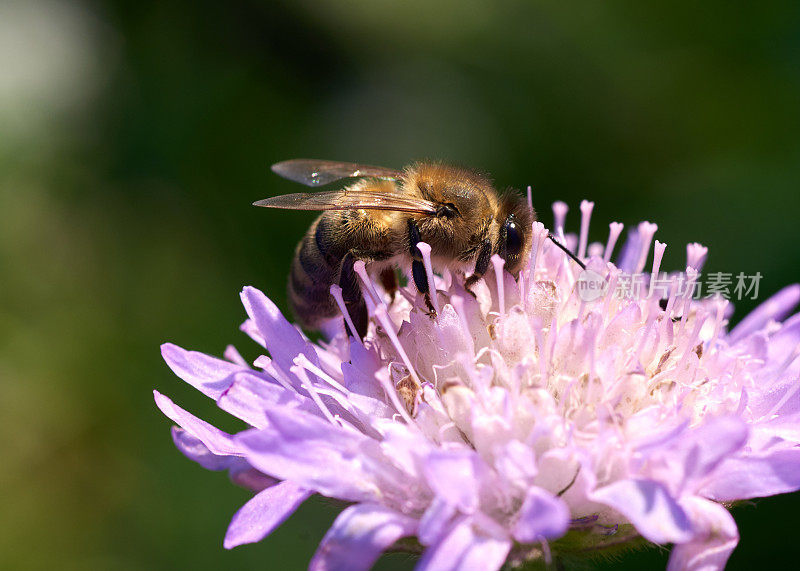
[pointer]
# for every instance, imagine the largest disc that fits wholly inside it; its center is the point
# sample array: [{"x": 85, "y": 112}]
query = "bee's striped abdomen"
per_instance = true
[{"x": 314, "y": 268}]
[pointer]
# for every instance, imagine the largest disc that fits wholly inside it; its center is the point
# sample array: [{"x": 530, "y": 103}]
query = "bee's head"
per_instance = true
[{"x": 464, "y": 209}]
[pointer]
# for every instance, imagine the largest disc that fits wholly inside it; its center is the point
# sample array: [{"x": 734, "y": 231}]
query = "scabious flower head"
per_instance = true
[{"x": 541, "y": 418}]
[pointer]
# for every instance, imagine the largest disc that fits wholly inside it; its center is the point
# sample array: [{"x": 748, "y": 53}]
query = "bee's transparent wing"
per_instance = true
[
  {"x": 312, "y": 172},
  {"x": 348, "y": 199}
]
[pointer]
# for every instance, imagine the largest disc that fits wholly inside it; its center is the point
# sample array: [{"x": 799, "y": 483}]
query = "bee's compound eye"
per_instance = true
[{"x": 513, "y": 237}]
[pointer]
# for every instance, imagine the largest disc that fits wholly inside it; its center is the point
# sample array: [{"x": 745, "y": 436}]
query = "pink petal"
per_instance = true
[
  {"x": 466, "y": 547},
  {"x": 775, "y": 308},
  {"x": 649, "y": 507},
  {"x": 263, "y": 513},
  {"x": 217, "y": 441},
  {"x": 716, "y": 537},
  {"x": 692, "y": 454},
  {"x": 435, "y": 521},
  {"x": 358, "y": 537},
  {"x": 249, "y": 394},
  {"x": 248, "y": 477},
  {"x": 314, "y": 453},
  {"x": 455, "y": 477},
  {"x": 541, "y": 515},
  {"x": 209, "y": 375},
  {"x": 194, "y": 449},
  {"x": 755, "y": 477},
  {"x": 282, "y": 340}
]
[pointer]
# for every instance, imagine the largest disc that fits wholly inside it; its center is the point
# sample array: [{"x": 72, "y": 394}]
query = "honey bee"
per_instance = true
[{"x": 381, "y": 217}]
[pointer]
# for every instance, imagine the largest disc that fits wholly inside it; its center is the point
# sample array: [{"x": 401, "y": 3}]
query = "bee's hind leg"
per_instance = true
[{"x": 353, "y": 298}]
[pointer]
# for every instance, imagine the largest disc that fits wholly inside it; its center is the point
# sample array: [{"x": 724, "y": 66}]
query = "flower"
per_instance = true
[{"x": 525, "y": 422}]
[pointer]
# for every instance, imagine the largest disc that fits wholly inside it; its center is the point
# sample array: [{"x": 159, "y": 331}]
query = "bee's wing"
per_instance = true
[
  {"x": 348, "y": 199},
  {"x": 312, "y": 172}
]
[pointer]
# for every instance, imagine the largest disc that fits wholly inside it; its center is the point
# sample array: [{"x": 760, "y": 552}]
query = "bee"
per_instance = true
[{"x": 381, "y": 217}]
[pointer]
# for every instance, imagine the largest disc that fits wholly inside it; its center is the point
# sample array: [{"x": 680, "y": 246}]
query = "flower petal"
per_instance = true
[
  {"x": 775, "y": 308},
  {"x": 314, "y": 453},
  {"x": 194, "y": 449},
  {"x": 716, "y": 538},
  {"x": 542, "y": 515},
  {"x": 455, "y": 476},
  {"x": 209, "y": 375},
  {"x": 263, "y": 513},
  {"x": 358, "y": 537},
  {"x": 282, "y": 340},
  {"x": 755, "y": 477},
  {"x": 249, "y": 394},
  {"x": 691, "y": 454},
  {"x": 217, "y": 441},
  {"x": 649, "y": 507},
  {"x": 466, "y": 547},
  {"x": 435, "y": 521}
]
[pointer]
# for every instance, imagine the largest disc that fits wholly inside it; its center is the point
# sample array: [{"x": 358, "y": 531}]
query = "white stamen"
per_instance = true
[
  {"x": 303, "y": 361},
  {"x": 539, "y": 236},
  {"x": 458, "y": 305},
  {"x": 265, "y": 363},
  {"x": 301, "y": 374},
  {"x": 498, "y": 264},
  {"x": 560, "y": 210},
  {"x": 425, "y": 250},
  {"x": 691, "y": 277},
  {"x": 361, "y": 270},
  {"x": 614, "y": 230},
  {"x": 586, "y": 216},
  {"x": 638, "y": 351},
  {"x": 391, "y": 391},
  {"x": 696, "y": 255},
  {"x": 700, "y": 318},
  {"x": 383, "y": 318},
  {"x": 658, "y": 255},
  {"x": 646, "y": 233},
  {"x": 530, "y": 198},
  {"x": 336, "y": 292},
  {"x": 720, "y": 313}
]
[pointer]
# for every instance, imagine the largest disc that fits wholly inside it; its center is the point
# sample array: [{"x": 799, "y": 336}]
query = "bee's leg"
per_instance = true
[
  {"x": 388, "y": 279},
  {"x": 417, "y": 267},
  {"x": 353, "y": 299},
  {"x": 481, "y": 265}
]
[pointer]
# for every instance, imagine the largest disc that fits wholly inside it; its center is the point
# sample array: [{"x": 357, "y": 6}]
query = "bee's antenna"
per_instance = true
[{"x": 566, "y": 251}]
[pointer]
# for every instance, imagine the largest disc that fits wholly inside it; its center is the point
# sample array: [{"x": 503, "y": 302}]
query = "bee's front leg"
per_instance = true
[
  {"x": 481, "y": 265},
  {"x": 353, "y": 298},
  {"x": 417, "y": 266}
]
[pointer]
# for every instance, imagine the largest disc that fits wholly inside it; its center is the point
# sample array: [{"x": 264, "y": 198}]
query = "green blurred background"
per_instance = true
[{"x": 135, "y": 135}]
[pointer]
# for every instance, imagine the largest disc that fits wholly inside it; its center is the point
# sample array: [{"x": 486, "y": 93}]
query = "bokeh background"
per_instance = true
[{"x": 135, "y": 135}]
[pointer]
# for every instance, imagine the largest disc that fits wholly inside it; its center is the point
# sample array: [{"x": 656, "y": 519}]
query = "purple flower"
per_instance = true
[{"x": 522, "y": 423}]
